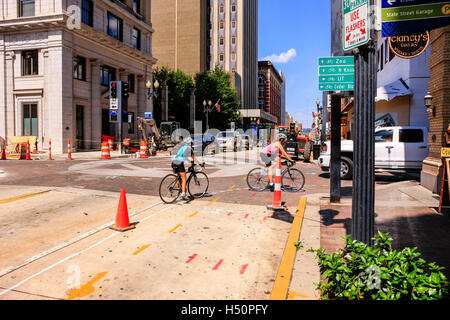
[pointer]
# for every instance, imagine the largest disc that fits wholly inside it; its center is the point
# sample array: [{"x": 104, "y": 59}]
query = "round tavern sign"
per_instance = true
[{"x": 409, "y": 46}]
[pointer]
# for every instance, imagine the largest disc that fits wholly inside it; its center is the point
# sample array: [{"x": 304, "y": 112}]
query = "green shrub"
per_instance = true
[{"x": 362, "y": 272}]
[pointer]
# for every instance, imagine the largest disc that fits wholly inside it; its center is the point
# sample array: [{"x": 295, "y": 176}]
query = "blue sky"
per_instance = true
[{"x": 303, "y": 26}]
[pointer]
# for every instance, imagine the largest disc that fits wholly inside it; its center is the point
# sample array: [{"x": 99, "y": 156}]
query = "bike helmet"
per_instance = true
[{"x": 281, "y": 136}]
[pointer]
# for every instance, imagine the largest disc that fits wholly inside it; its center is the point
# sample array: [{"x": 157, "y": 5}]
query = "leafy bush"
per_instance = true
[{"x": 362, "y": 272}]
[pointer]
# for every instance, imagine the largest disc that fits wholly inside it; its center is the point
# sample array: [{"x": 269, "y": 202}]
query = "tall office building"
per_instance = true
[{"x": 197, "y": 35}]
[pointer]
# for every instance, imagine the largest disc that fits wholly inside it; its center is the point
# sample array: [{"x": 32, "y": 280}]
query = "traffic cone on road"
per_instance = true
[
  {"x": 28, "y": 157},
  {"x": 122, "y": 219},
  {"x": 69, "y": 151},
  {"x": 4, "y": 154},
  {"x": 277, "y": 204},
  {"x": 50, "y": 149},
  {"x": 143, "y": 150},
  {"x": 105, "y": 151},
  {"x": 23, "y": 151},
  {"x": 110, "y": 144}
]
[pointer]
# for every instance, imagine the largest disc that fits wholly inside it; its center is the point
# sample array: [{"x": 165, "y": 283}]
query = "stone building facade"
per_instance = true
[{"x": 56, "y": 60}]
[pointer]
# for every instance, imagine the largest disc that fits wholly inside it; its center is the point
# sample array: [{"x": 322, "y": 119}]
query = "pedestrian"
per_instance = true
[{"x": 447, "y": 136}]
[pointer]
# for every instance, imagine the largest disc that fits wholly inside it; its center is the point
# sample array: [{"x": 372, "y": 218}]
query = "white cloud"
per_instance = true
[{"x": 284, "y": 57}]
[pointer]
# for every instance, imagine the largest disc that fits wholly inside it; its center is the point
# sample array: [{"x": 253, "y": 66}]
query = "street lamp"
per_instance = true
[
  {"x": 152, "y": 93},
  {"x": 429, "y": 104},
  {"x": 207, "y": 110}
]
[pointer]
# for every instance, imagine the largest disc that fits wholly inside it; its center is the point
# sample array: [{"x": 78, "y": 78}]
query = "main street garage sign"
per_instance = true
[
  {"x": 409, "y": 46},
  {"x": 355, "y": 23}
]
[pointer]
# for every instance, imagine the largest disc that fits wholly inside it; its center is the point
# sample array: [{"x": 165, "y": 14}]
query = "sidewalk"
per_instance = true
[
  {"x": 404, "y": 210},
  {"x": 87, "y": 155}
]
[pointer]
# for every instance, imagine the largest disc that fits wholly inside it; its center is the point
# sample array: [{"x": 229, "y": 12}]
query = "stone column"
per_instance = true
[
  {"x": 2, "y": 94},
  {"x": 192, "y": 109},
  {"x": 9, "y": 94},
  {"x": 165, "y": 102},
  {"x": 96, "y": 106},
  {"x": 439, "y": 86}
]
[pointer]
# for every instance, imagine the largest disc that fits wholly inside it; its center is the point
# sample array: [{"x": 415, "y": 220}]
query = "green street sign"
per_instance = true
[
  {"x": 336, "y": 87},
  {"x": 342, "y": 70},
  {"x": 337, "y": 79},
  {"x": 337, "y": 61}
]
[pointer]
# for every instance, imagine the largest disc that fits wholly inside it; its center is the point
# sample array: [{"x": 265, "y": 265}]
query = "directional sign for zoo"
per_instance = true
[
  {"x": 356, "y": 23},
  {"x": 337, "y": 73}
]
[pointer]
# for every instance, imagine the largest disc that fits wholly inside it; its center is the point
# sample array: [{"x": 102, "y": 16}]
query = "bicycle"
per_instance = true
[
  {"x": 292, "y": 179},
  {"x": 197, "y": 184}
]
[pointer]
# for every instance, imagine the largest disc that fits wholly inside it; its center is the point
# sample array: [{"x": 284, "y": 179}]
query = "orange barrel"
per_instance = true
[
  {"x": 143, "y": 150},
  {"x": 105, "y": 151}
]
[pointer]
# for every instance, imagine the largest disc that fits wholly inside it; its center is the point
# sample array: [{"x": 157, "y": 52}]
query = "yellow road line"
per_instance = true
[
  {"x": 212, "y": 202},
  {"x": 23, "y": 196},
  {"x": 141, "y": 249},
  {"x": 281, "y": 285},
  {"x": 195, "y": 213},
  {"x": 172, "y": 230},
  {"x": 87, "y": 288}
]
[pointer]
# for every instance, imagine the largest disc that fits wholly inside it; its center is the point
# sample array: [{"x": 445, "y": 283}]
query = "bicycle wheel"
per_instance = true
[
  {"x": 292, "y": 180},
  {"x": 198, "y": 185},
  {"x": 257, "y": 179},
  {"x": 170, "y": 188}
]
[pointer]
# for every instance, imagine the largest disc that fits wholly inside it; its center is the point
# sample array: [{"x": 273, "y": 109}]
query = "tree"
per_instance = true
[{"x": 216, "y": 85}]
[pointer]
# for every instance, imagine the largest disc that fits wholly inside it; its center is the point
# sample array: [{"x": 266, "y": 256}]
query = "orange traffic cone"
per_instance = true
[
  {"x": 23, "y": 151},
  {"x": 4, "y": 154},
  {"x": 122, "y": 219},
  {"x": 143, "y": 150},
  {"x": 27, "y": 156},
  {"x": 277, "y": 204},
  {"x": 105, "y": 151},
  {"x": 69, "y": 151}
]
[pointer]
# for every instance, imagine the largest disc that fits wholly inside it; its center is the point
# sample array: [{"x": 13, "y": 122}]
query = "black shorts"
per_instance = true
[
  {"x": 266, "y": 158},
  {"x": 178, "y": 167}
]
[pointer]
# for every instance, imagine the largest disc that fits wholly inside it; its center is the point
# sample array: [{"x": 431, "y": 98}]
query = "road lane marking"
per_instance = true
[
  {"x": 87, "y": 288},
  {"x": 78, "y": 238},
  {"x": 191, "y": 258},
  {"x": 212, "y": 202},
  {"x": 232, "y": 187},
  {"x": 192, "y": 215},
  {"x": 281, "y": 285},
  {"x": 23, "y": 196},
  {"x": 172, "y": 230},
  {"x": 218, "y": 264},
  {"x": 246, "y": 216},
  {"x": 141, "y": 249},
  {"x": 243, "y": 268},
  {"x": 59, "y": 262},
  {"x": 229, "y": 213},
  {"x": 293, "y": 294}
]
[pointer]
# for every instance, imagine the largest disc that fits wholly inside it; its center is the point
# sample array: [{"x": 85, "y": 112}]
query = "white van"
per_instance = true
[{"x": 396, "y": 149}]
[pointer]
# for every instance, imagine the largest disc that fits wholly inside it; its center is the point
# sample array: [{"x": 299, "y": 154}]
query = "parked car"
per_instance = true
[
  {"x": 228, "y": 140},
  {"x": 199, "y": 143},
  {"x": 396, "y": 149}
]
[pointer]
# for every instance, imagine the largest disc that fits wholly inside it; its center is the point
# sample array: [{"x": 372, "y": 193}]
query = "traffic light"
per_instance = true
[
  {"x": 113, "y": 90},
  {"x": 125, "y": 95}
]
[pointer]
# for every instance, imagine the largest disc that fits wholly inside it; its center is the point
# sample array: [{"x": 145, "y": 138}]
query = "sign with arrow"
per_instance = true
[
  {"x": 401, "y": 17},
  {"x": 337, "y": 73},
  {"x": 355, "y": 23}
]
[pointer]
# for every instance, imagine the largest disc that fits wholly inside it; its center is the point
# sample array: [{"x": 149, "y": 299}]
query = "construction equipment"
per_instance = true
[
  {"x": 157, "y": 140},
  {"x": 296, "y": 144}
]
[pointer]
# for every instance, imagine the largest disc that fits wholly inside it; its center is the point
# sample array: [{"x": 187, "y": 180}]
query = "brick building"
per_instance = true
[
  {"x": 55, "y": 69},
  {"x": 439, "y": 113},
  {"x": 270, "y": 90}
]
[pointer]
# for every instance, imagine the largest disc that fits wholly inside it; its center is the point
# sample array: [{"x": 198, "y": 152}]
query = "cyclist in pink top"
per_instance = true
[{"x": 269, "y": 154}]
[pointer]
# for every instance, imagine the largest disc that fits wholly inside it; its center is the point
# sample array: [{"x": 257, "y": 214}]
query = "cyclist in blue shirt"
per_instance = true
[{"x": 184, "y": 153}]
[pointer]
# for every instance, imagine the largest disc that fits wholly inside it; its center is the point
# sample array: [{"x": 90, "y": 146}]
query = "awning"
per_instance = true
[{"x": 390, "y": 91}]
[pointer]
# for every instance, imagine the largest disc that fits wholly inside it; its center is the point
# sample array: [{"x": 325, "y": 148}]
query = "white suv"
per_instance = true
[
  {"x": 396, "y": 149},
  {"x": 228, "y": 140}
]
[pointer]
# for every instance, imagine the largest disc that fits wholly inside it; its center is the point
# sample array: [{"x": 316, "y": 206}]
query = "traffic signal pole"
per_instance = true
[
  {"x": 335, "y": 161},
  {"x": 363, "y": 202}
]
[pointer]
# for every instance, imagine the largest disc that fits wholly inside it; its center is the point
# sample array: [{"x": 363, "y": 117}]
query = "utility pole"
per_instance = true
[{"x": 363, "y": 203}]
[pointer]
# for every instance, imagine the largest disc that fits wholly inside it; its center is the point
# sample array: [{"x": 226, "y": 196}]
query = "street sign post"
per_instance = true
[
  {"x": 356, "y": 24},
  {"x": 401, "y": 17},
  {"x": 337, "y": 73}
]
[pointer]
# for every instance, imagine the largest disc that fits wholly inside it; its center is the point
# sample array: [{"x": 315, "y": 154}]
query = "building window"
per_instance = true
[
  {"x": 221, "y": 25},
  {"x": 87, "y": 13},
  {"x": 30, "y": 120},
  {"x": 233, "y": 56},
  {"x": 130, "y": 122},
  {"x": 233, "y": 40},
  {"x": 260, "y": 92},
  {"x": 131, "y": 83},
  {"x": 221, "y": 41},
  {"x": 137, "y": 6},
  {"x": 233, "y": 8},
  {"x": 115, "y": 27},
  {"x": 136, "y": 39},
  {"x": 261, "y": 80},
  {"x": 221, "y": 58},
  {"x": 26, "y": 8},
  {"x": 79, "y": 68},
  {"x": 233, "y": 24},
  {"x": 221, "y": 9},
  {"x": 261, "y": 105},
  {"x": 107, "y": 74},
  {"x": 30, "y": 65}
]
